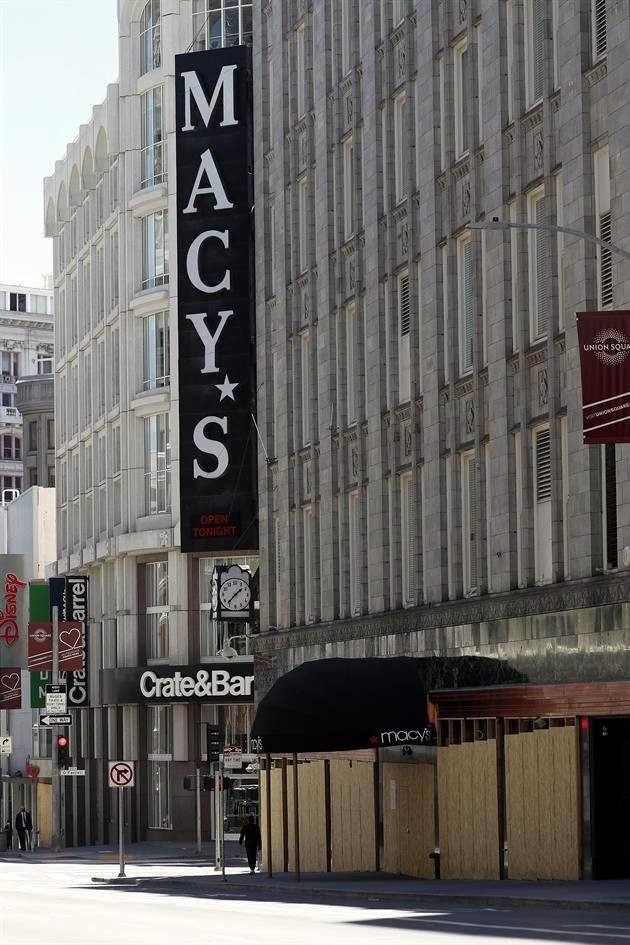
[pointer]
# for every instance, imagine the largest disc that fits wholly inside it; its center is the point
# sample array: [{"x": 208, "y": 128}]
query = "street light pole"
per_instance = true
[{"x": 496, "y": 224}]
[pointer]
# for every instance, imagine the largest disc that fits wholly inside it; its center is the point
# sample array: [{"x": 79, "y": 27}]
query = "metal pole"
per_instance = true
[
  {"x": 121, "y": 831},
  {"x": 217, "y": 818},
  {"x": 56, "y": 793},
  {"x": 268, "y": 816},
  {"x": 198, "y": 793},
  {"x": 222, "y": 825},
  {"x": 296, "y": 819}
]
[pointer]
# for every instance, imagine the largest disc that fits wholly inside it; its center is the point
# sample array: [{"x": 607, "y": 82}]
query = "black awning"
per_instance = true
[{"x": 348, "y": 704}]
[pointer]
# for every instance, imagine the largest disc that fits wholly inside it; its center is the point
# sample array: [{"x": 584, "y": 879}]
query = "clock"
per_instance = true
[{"x": 235, "y": 594}]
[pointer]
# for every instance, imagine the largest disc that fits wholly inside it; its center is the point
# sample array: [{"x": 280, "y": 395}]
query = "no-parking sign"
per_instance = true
[{"x": 122, "y": 773}]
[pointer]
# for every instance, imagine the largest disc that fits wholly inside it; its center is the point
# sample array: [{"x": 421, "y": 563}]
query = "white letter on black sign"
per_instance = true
[
  {"x": 209, "y": 168},
  {"x": 209, "y": 340},
  {"x": 212, "y": 447},
  {"x": 192, "y": 261},
  {"x": 193, "y": 86}
]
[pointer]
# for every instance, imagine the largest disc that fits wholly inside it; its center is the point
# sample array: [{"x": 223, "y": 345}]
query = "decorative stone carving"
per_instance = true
[
  {"x": 351, "y": 275},
  {"x": 403, "y": 236},
  {"x": 463, "y": 9},
  {"x": 543, "y": 388},
  {"x": 308, "y": 479},
  {"x": 354, "y": 460},
  {"x": 407, "y": 439},
  {"x": 470, "y": 415},
  {"x": 539, "y": 150},
  {"x": 466, "y": 198},
  {"x": 306, "y": 304},
  {"x": 401, "y": 56},
  {"x": 349, "y": 109}
]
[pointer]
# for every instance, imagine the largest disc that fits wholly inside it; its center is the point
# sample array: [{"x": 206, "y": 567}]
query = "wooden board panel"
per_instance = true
[
  {"x": 408, "y": 819},
  {"x": 312, "y": 807},
  {"x": 468, "y": 811},
  {"x": 542, "y": 803},
  {"x": 277, "y": 822},
  {"x": 352, "y": 816},
  {"x": 44, "y": 814}
]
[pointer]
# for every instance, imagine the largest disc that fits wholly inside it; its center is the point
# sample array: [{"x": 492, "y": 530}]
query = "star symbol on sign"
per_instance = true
[{"x": 226, "y": 389}]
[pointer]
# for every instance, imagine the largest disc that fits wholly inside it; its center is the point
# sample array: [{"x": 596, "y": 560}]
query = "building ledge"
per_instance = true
[{"x": 148, "y": 200}]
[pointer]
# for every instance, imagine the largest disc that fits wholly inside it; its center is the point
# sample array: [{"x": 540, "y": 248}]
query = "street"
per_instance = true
[{"x": 53, "y": 902}]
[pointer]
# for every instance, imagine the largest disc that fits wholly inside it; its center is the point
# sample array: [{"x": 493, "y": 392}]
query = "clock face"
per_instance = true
[{"x": 235, "y": 594}]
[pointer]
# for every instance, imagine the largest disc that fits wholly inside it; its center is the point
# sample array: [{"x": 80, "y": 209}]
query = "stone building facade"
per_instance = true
[{"x": 424, "y": 487}]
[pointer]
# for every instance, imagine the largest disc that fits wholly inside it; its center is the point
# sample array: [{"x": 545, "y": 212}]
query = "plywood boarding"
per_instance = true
[
  {"x": 352, "y": 816},
  {"x": 468, "y": 811},
  {"x": 542, "y": 800},
  {"x": 44, "y": 814},
  {"x": 312, "y": 809},
  {"x": 277, "y": 825},
  {"x": 408, "y": 819}
]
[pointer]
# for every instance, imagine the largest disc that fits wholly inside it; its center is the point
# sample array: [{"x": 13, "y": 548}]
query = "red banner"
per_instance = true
[
  {"x": 10, "y": 689},
  {"x": 604, "y": 339},
  {"x": 71, "y": 646}
]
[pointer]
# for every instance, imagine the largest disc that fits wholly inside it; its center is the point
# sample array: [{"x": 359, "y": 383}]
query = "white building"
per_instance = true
[
  {"x": 26, "y": 348},
  {"x": 107, "y": 208}
]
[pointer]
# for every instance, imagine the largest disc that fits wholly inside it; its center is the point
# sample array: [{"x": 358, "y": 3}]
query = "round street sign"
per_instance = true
[{"x": 121, "y": 774}]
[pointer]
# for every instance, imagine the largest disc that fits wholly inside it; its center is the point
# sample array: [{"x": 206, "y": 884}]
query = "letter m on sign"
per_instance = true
[{"x": 193, "y": 89}]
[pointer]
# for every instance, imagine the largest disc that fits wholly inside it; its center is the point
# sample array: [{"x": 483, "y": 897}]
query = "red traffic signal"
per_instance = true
[{"x": 63, "y": 751}]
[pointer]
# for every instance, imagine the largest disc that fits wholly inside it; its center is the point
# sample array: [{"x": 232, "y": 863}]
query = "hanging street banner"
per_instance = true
[
  {"x": 10, "y": 688},
  {"x": 216, "y": 335},
  {"x": 13, "y": 612},
  {"x": 70, "y": 596},
  {"x": 604, "y": 339}
]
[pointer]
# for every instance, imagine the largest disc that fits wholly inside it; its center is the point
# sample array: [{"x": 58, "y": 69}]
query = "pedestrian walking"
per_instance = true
[
  {"x": 251, "y": 835},
  {"x": 23, "y": 825}
]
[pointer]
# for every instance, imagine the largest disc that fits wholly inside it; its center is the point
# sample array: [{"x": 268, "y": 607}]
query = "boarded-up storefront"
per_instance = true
[
  {"x": 468, "y": 811},
  {"x": 408, "y": 819},
  {"x": 542, "y": 804},
  {"x": 353, "y": 816}
]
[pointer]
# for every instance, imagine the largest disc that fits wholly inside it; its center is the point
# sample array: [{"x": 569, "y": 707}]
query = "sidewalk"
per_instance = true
[{"x": 148, "y": 864}]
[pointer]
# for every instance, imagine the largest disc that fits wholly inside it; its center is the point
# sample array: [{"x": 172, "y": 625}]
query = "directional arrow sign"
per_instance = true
[
  {"x": 121, "y": 774},
  {"x": 55, "y": 720}
]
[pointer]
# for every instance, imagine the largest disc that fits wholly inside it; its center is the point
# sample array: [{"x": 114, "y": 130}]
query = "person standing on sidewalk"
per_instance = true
[
  {"x": 251, "y": 835},
  {"x": 23, "y": 825}
]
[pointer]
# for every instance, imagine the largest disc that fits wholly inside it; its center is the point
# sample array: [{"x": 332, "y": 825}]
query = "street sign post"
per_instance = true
[
  {"x": 72, "y": 772},
  {"x": 56, "y": 699},
  {"x": 122, "y": 774},
  {"x": 47, "y": 720}
]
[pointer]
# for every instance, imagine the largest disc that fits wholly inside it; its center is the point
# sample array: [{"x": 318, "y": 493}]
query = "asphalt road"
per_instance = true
[{"x": 55, "y": 903}]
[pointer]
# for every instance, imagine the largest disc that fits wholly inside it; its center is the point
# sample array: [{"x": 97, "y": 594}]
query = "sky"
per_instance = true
[{"x": 56, "y": 60}]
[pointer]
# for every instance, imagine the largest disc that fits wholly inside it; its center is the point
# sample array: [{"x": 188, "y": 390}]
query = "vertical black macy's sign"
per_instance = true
[{"x": 215, "y": 306}]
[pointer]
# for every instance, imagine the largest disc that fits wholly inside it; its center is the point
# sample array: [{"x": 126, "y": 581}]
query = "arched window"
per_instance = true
[{"x": 150, "y": 49}]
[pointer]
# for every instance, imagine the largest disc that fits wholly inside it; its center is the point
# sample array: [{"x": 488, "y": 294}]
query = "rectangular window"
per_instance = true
[
  {"x": 465, "y": 303},
  {"x": 157, "y": 464},
  {"x": 305, "y": 386},
  {"x": 404, "y": 330},
  {"x": 479, "y": 44},
  {"x": 407, "y": 535},
  {"x": 219, "y": 23},
  {"x": 598, "y": 28},
  {"x": 604, "y": 228},
  {"x": 542, "y": 505},
  {"x": 32, "y": 436},
  {"x": 534, "y": 50},
  {"x": 399, "y": 11},
  {"x": 609, "y": 505},
  {"x": 308, "y": 565},
  {"x": 156, "y": 619},
  {"x": 443, "y": 132},
  {"x": 348, "y": 189},
  {"x": 400, "y": 149},
  {"x": 462, "y": 99},
  {"x": 17, "y": 301},
  {"x": 354, "y": 550},
  {"x": 470, "y": 523},
  {"x": 155, "y": 249},
  {"x": 302, "y": 223},
  {"x": 559, "y": 194},
  {"x": 115, "y": 366},
  {"x": 113, "y": 251},
  {"x": 159, "y": 788},
  {"x": 509, "y": 25},
  {"x": 300, "y": 68},
  {"x": 99, "y": 307},
  {"x": 346, "y": 36},
  {"x": 538, "y": 268},
  {"x": 86, "y": 299},
  {"x": 156, "y": 351},
  {"x": 351, "y": 358},
  {"x": 153, "y": 152}
]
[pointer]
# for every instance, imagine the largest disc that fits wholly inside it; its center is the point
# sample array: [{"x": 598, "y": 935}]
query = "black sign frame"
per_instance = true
[{"x": 216, "y": 316}]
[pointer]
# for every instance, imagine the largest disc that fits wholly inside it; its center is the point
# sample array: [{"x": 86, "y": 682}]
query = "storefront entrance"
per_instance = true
[{"x": 611, "y": 798}]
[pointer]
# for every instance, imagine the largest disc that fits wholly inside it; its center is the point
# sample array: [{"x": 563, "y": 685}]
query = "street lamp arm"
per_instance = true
[{"x": 550, "y": 227}]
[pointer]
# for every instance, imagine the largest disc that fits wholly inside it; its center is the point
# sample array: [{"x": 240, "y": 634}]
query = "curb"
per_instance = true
[
  {"x": 417, "y": 899},
  {"x": 117, "y": 881}
]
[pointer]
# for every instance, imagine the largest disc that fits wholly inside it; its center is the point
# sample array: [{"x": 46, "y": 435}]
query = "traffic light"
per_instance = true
[
  {"x": 63, "y": 751},
  {"x": 215, "y": 742}
]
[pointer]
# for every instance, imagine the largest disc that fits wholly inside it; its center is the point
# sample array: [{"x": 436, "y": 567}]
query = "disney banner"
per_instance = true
[
  {"x": 604, "y": 339},
  {"x": 13, "y": 612}
]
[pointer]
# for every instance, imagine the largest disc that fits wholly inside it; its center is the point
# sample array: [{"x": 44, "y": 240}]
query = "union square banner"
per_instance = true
[{"x": 604, "y": 339}]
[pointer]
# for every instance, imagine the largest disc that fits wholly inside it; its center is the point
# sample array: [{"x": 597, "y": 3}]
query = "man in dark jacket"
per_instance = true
[
  {"x": 23, "y": 825},
  {"x": 251, "y": 835}
]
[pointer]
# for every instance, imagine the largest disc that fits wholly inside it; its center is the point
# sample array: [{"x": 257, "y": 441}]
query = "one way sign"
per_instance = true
[{"x": 55, "y": 720}]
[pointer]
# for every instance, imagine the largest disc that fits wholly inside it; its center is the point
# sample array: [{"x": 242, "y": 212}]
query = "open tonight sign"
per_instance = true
[{"x": 215, "y": 310}]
